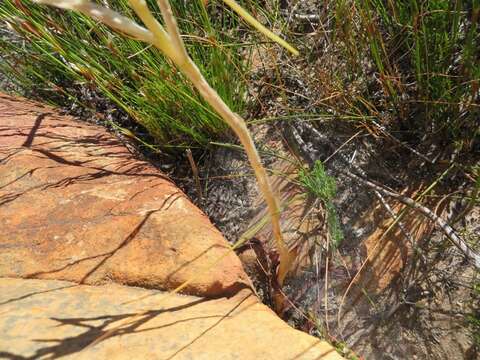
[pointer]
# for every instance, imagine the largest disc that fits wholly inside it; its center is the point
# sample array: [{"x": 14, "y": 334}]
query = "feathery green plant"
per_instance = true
[{"x": 319, "y": 184}]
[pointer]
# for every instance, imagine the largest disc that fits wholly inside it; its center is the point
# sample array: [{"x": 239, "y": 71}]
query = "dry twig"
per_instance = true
[{"x": 442, "y": 224}]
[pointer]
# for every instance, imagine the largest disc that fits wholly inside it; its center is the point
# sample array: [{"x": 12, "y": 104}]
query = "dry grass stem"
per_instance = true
[{"x": 196, "y": 177}]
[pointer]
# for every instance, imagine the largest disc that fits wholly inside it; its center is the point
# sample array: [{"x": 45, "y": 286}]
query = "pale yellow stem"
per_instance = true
[
  {"x": 162, "y": 39},
  {"x": 171, "y": 44},
  {"x": 239, "y": 127},
  {"x": 172, "y": 27},
  {"x": 105, "y": 15},
  {"x": 236, "y": 123},
  {"x": 252, "y": 21}
]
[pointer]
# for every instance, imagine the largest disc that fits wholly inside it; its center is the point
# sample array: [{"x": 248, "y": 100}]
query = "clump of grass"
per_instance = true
[
  {"x": 57, "y": 55},
  {"x": 425, "y": 59},
  {"x": 322, "y": 186}
]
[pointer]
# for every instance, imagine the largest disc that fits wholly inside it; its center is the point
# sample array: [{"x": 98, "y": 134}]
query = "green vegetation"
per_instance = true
[
  {"x": 343, "y": 350},
  {"x": 319, "y": 184},
  {"x": 58, "y": 54},
  {"x": 424, "y": 57},
  {"x": 418, "y": 61}
]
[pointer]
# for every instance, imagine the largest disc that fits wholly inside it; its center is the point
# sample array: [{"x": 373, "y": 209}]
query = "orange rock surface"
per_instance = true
[
  {"x": 50, "y": 319},
  {"x": 76, "y": 205}
]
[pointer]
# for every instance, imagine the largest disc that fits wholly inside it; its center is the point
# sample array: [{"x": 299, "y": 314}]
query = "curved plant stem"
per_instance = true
[
  {"x": 237, "y": 124},
  {"x": 259, "y": 27},
  {"x": 170, "y": 43}
]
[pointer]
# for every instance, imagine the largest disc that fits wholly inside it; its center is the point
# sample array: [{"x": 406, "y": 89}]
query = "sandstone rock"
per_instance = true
[
  {"x": 76, "y": 205},
  {"x": 49, "y": 319}
]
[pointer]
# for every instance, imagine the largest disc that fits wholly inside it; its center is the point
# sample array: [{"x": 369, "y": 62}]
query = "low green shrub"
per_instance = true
[{"x": 322, "y": 186}]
